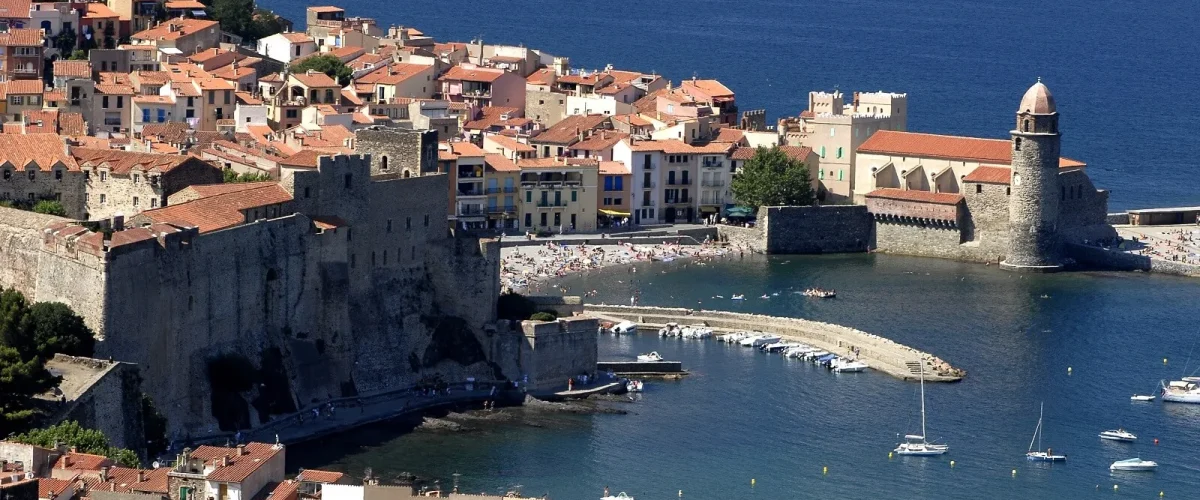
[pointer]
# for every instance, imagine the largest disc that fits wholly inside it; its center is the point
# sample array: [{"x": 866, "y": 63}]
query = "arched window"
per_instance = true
[
  {"x": 46, "y": 28},
  {"x": 383, "y": 163},
  {"x": 406, "y": 174},
  {"x": 1025, "y": 127}
]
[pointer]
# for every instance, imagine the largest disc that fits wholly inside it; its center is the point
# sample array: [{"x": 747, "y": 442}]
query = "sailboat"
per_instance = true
[
  {"x": 916, "y": 445},
  {"x": 1041, "y": 456}
]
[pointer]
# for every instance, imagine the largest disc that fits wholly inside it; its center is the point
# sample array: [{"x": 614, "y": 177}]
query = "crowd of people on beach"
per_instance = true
[
  {"x": 1176, "y": 245},
  {"x": 527, "y": 265}
]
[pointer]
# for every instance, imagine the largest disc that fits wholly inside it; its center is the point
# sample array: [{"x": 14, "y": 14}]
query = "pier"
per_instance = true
[
  {"x": 884, "y": 355},
  {"x": 644, "y": 369}
]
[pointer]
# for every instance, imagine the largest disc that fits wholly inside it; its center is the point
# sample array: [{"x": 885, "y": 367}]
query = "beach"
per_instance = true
[{"x": 529, "y": 268}]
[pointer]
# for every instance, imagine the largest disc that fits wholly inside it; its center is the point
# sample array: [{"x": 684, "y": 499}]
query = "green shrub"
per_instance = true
[
  {"x": 543, "y": 316},
  {"x": 513, "y": 306}
]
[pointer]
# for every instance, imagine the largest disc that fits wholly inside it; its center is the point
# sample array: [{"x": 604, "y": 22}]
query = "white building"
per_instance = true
[{"x": 287, "y": 47}]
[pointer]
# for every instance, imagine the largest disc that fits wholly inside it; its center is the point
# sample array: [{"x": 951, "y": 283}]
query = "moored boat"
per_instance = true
[
  {"x": 625, "y": 328},
  {"x": 1181, "y": 391},
  {"x": 1041, "y": 456},
  {"x": 634, "y": 386},
  {"x": 649, "y": 358},
  {"x": 850, "y": 367},
  {"x": 1139, "y": 397},
  {"x": 1133, "y": 465},
  {"x": 915, "y": 445},
  {"x": 1119, "y": 435}
]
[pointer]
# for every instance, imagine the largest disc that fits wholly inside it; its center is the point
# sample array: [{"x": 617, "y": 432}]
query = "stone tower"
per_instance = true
[{"x": 1033, "y": 205}]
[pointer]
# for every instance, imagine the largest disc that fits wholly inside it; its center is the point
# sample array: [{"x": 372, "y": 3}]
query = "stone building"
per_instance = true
[
  {"x": 398, "y": 151},
  {"x": 555, "y": 351},
  {"x": 125, "y": 183},
  {"x": 353, "y": 285},
  {"x": 37, "y": 167}
]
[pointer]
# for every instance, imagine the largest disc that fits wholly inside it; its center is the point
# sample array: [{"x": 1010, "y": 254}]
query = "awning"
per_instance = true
[
  {"x": 739, "y": 212},
  {"x": 614, "y": 213},
  {"x": 708, "y": 210}
]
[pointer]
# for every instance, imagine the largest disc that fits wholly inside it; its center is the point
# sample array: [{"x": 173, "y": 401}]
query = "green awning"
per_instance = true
[{"x": 739, "y": 212}]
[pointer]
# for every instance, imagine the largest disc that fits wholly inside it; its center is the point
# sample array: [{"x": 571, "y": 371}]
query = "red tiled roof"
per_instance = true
[
  {"x": 296, "y": 37},
  {"x": 319, "y": 476},
  {"x": 997, "y": 151},
  {"x": 82, "y": 461},
  {"x": 240, "y": 466},
  {"x": 509, "y": 143},
  {"x": 123, "y": 162},
  {"x": 315, "y": 79},
  {"x": 676, "y": 146},
  {"x": 472, "y": 75},
  {"x": 182, "y": 27},
  {"x": 491, "y": 116},
  {"x": 126, "y": 480},
  {"x": 613, "y": 168},
  {"x": 185, "y": 4},
  {"x": 287, "y": 490},
  {"x": 600, "y": 140},
  {"x": 727, "y": 134},
  {"x": 498, "y": 163},
  {"x": 742, "y": 153},
  {"x": 46, "y": 486},
  {"x": 326, "y": 8},
  {"x": 24, "y": 87},
  {"x": 71, "y": 68},
  {"x": 460, "y": 148},
  {"x": 710, "y": 88},
  {"x": 989, "y": 175},
  {"x": 211, "y": 214},
  {"x": 46, "y": 150},
  {"x": 393, "y": 73},
  {"x": 304, "y": 158},
  {"x": 916, "y": 196},
  {"x": 207, "y": 190},
  {"x": 98, "y": 10},
  {"x": 558, "y": 162},
  {"x": 18, "y": 37},
  {"x": 796, "y": 152},
  {"x": 633, "y": 119},
  {"x": 544, "y": 76},
  {"x": 567, "y": 131}
]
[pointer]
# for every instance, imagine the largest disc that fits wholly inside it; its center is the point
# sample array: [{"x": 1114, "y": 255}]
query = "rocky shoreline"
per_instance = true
[{"x": 532, "y": 413}]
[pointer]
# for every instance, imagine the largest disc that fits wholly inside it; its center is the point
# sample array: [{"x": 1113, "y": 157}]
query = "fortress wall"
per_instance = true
[
  {"x": 987, "y": 214},
  {"x": 555, "y": 351},
  {"x": 20, "y": 244},
  {"x": 1083, "y": 211},
  {"x": 929, "y": 240},
  {"x": 818, "y": 229}
]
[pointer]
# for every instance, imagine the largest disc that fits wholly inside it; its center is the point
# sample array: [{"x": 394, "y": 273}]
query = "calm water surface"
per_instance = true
[
  {"x": 745, "y": 415},
  {"x": 1123, "y": 73}
]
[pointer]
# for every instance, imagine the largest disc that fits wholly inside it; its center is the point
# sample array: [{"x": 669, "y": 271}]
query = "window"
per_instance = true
[
  {"x": 426, "y": 220},
  {"x": 1008, "y": 191},
  {"x": 328, "y": 96},
  {"x": 351, "y": 261},
  {"x": 1017, "y": 144},
  {"x": 573, "y": 196},
  {"x": 528, "y": 220},
  {"x": 822, "y": 151},
  {"x": 120, "y": 102},
  {"x": 839, "y": 153},
  {"x": 349, "y": 234},
  {"x": 528, "y": 195},
  {"x": 543, "y": 219},
  {"x": 103, "y": 176},
  {"x": 58, "y": 175},
  {"x": 840, "y": 173},
  {"x": 8, "y": 174},
  {"x": 383, "y": 163},
  {"x": 978, "y": 188},
  {"x": 153, "y": 202},
  {"x": 103, "y": 199},
  {"x": 608, "y": 183},
  {"x": 135, "y": 201},
  {"x": 162, "y": 115},
  {"x": 389, "y": 225},
  {"x": 407, "y": 223},
  {"x": 348, "y": 179},
  {"x": 104, "y": 102},
  {"x": 831, "y": 132},
  {"x": 385, "y": 257},
  {"x": 145, "y": 115},
  {"x": 212, "y": 97},
  {"x": 291, "y": 113},
  {"x": 616, "y": 201},
  {"x": 32, "y": 174},
  {"x": 821, "y": 175},
  {"x": 307, "y": 192},
  {"x": 191, "y": 113}
]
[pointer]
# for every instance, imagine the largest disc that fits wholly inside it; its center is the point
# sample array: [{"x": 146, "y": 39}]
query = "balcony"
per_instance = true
[
  {"x": 679, "y": 201},
  {"x": 679, "y": 182},
  {"x": 505, "y": 189},
  {"x": 23, "y": 71},
  {"x": 501, "y": 209},
  {"x": 470, "y": 211},
  {"x": 649, "y": 185},
  {"x": 551, "y": 204},
  {"x": 713, "y": 183},
  {"x": 712, "y": 164},
  {"x": 112, "y": 122},
  {"x": 471, "y": 192}
]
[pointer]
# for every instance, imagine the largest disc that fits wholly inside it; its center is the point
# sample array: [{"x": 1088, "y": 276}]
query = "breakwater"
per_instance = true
[{"x": 895, "y": 359}]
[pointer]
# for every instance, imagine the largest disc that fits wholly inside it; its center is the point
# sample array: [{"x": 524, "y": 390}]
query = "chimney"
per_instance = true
[
  {"x": 104, "y": 473},
  {"x": 141, "y": 476},
  {"x": 241, "y": 450},
  {"x": 225, "y": 461}
]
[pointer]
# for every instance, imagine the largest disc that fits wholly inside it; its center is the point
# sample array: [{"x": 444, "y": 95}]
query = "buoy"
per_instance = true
[
  {"x": 1160, "y": 494},
  {"x": 1014, "y": 473},
  {"x": 1164, "y": 361},
  {"x": 1068, "y": 370},
  {"x": 1115, "y": 487},
  {"x": 680, "y": 493},
  {"x": 951, "y": 464},
  {"x": 1155, "y": 441},
  {"x": 752, "y": 482},
  {"x": 825, "y": 470},
  {"x": 889, "y": 455}
]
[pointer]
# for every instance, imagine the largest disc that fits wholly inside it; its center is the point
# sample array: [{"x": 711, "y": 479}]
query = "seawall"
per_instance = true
[
  {"x": 1101, "y": 258},
  {"x": 881, "y": 354}
]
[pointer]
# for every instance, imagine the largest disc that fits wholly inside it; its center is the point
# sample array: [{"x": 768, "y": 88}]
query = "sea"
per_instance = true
[{"x": 752, "y": 425}]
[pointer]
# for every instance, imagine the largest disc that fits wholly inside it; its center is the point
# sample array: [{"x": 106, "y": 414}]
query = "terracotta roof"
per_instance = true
[
  {"x": 613, "y": 168},
  {"x": 600, "y": 140},
  {"x": 558, "y": 162},
  {"x": 289, "y": 489},
  {"x": 580, "y": 79},
  {"x": 648, "y": 104},
  {"x": 21, "y": 37},
  {"x": 211, "y": 214},
  {"x": 247, "y": 98},
  {"x": 150, "y": 77},
  {"x": 498, "y": 163},
  {"x": 989, "y": 175},
  {"x": 326, "y": 8},
  {"x": 567, "y": 131},
  {"x": 304, "y": 158},
  {"x": 509, "y": 143},
  {"x": 182, "y": 27},
  {"x": 439, "y": 48},
  {"x": 727, "y": 134},
  {"x": 54, "y": 95},
  {"x": 77, "y": 69},
  {"x": 491, "y": 116},
  {"x": 348, "y": 53},
  {"x": 319, "y": 476},
  {"x": 796, "y": 152},
  {"x": 461, "y": 148},
  {"x": 544, "y": 76},
  {"x": 472, "y": 75},
  {"x": 185, "y": 4},
  {"x": 153, "y": 99},
  {"x": 207, "y": 190},
  {"x": 46, "y": 486},
  {"x": 742, "y": 153},
  {"x": 295, "y": 37},
  {"x": 633, "y": 119},
  {"x": 675, "y": 146},
  {"x": 54, "y": 122},
  {"x": 46, "y": 150},
  {"x": 123, "y": 162},
  {"x": 25, "y": 87},
  {"x": 710, "y": 88},
  {"x": 996, "y": 151},
  {"x": 392, "y": 74},
  {"x": 98, "y": 10},
  {"x": 917, "y": 196},
  {"x": 82, "y": 461},
  {"x": 124, "y": 480},
  {"x": 314, "y": 79}
]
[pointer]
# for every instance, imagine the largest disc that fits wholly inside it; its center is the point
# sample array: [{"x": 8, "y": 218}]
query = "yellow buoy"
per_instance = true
[
  {"x": 951, "y": 464},
  {"x": 825, "y": 470},
  {"x": 889, "y": 455},
  {"x": 1160, "y": 494},
  {"x": 1068, "y": 370},
  {"x": 751, "y": 482},
  {"x": 1164, "y": 361}
]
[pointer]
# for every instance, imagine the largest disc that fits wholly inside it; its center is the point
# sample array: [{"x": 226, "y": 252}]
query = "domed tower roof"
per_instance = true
[{"x": 1037, "y": 100}]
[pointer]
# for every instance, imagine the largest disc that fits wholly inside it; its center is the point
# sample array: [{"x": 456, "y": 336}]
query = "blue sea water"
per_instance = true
[
  {"x": 1124, "y": 77},
  {"x": 745, "y": 415},
  {"x": 1123, "y": 73}
]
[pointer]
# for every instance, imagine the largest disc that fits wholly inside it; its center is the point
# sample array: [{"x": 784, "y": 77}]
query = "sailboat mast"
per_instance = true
[
  {"x": 1037, "y": 432},
  {"x": 923, "y": 435}
]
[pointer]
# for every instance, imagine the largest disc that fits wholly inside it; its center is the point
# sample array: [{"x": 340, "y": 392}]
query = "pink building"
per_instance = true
[{"x": 482, "y": 87}]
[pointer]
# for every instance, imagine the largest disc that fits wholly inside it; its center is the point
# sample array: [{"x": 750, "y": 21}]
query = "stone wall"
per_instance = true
[
  {"x": 398, "y": 151},
  {"x": 20, "y": 241},
  {"x": 1083, "y": 209},
  {"x": 554, "y": 351},
  {"x": 986, "y": 218},
  {"x": 66, "y": 186},
  {"x": 110, "y": 401},
  {"x": 743, "y": 237},
  {"x": 545, "y": 107},
  {"x": 818, "y": 229},
  {"x": 932, "y": 240},
  {"x": 385, "y": 299},
  {"x": 1100, "y": 258}
]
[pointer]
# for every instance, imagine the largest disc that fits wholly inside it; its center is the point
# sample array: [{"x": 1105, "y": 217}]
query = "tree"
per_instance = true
[
  {"x": 50, "y": 207},
  {"x": 264, "y": 24},
  {"x": 231, "y": 177},
  {"x": 56, "y": 329},
  {"x": 772, "y": 178},
  {"x": 82, "y": 439},
  {"x": 78, "y": 55},
  {"x": 234, "y": 15},
  {"x": 328, "y": 64},
  {"x": 66, "y": 41},
  {"x": 21, "y": 378}
]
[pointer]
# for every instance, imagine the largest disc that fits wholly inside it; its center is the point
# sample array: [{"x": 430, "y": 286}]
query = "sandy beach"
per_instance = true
[{"x": 526, "y": 268}]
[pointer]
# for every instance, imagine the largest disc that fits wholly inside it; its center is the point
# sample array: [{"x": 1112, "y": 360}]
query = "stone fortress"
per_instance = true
[
  {"x": 342, "y": 280},
  {"x": 1022, "y": 209}
]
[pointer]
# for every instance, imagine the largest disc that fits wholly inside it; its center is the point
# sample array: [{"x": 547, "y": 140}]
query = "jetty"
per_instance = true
[
  {"x": 887, "y": 356},
  {"x": 644, "y": 369}
]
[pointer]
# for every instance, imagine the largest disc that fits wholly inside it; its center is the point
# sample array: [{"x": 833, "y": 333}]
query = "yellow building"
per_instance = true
[
  {"x": 503, "y": 202},
  {"x": 558, "y": 194}
]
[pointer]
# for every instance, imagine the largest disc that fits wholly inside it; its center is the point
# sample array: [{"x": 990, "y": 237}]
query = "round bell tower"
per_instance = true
[{"x": 1033, "y": 243}]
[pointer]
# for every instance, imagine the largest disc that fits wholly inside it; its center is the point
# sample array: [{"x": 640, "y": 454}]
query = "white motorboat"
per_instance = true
[
  {"x": 777, "y": 346},
  {"x": 669, "y": 330},
  {"x": 1138, "y": 397},
  {"x": 618, "y": 496},
  {"x": 625, "y": 327},
  {"x": 1119, "y": 435},
  {"x": 695, "y": 332},
  {"x": 738, "y": 297},
  {"x": 915, "y": 445},
  {"x": 1181, "y": 391},
  {"x": 1133, "y": 465},
  {"x": 634, "y": 386},
  {"x": 749, "y": 340},
  {"x": 850, "y": 367},
  {"x": 798, "y": 351},
  {"x": 763, "y": 340},
  {"x": 1041, "y": 456},
  {"x": 814, "y": 355},
  {"x": 730, "y": 338},
  {"x": 649, "y": 358}
]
